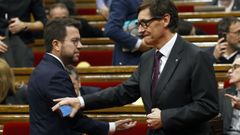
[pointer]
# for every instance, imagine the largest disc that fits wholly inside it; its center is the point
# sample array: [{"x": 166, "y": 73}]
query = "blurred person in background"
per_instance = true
[
  {"x": 17, "y": 28},
  {"x": 79, "y": 89},
  {"x": 60, "y": 10},
  {"x": 229, "y": 5},
  {"x": 187, "y": 28},
  {"x": 229, "y": 102},
  {"x": 70, "y": 4},
  {"x": 103, "y": 7},
  {"x": 227, "y": 48},
  {"x": 10, "y": 91}
]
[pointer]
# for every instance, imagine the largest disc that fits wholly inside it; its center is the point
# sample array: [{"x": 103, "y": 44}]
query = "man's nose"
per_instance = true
[
  {"x": 140, "y": 29},
  {"x": 79, "y": 46}
]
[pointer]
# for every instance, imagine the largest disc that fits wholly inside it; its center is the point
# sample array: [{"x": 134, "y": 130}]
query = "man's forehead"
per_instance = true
[
  {"x": 72, "y": 32},
  {"x": 71, "y": 28},
  {"x": 144, "y": 13}
]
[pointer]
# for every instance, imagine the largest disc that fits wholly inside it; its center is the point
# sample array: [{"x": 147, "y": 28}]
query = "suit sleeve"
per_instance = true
[
  {"x": 60, "y": 86},
  {"x": 203, "y": 89},
  {"x": 123, "y": 94}
]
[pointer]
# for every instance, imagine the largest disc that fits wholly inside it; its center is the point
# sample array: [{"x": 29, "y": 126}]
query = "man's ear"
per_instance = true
[
  {"x": 56, "y": 45},
  {"x": 166, "y": 19}
]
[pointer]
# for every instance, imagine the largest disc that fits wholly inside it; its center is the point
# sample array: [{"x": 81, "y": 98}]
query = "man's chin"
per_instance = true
[
  {"x": 149, "y": 41},
  {"x": 75, "y": 60}
]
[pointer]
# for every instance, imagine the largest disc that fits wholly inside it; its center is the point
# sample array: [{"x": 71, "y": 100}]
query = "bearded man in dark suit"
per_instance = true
[{"x": 50, "y": 80}]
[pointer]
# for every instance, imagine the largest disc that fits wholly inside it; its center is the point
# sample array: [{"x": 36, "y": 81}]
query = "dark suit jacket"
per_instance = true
[
  {"x": 20, "y": 97},
  {"x": 121, "y": 11},
  {"x": 48, "y": 81},
  {"x": 226, "y": 108},
  {"x": 84, "y": 90},
  {"x": 186, "y": 91}
]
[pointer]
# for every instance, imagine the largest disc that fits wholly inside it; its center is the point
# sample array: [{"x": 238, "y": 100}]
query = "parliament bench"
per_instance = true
[
  {"x": 108, "y": 76},
  {"x": 38, "y": 45}
]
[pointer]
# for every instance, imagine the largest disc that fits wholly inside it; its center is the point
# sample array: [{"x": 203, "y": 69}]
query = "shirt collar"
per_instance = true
[
  {"x": 166, "y": 49},
  {"x": 57, "y": 59},
  {"x": 230, "y": 56}
]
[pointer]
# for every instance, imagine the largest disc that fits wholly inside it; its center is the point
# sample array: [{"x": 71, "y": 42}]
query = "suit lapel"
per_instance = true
[{"x": 170, "y": 67}]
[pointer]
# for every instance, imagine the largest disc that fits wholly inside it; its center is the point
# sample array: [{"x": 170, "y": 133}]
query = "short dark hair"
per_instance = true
[
  {"x": 56, "y": 30},
  {"x": 225, "y": 23},
  {"x": 159, "y": 8}
]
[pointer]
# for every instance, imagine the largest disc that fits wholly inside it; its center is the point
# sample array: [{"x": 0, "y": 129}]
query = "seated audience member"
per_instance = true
[
  {"x": 80, "y": 90},
  {"x": 10, "y": 92},
  {"x": 187, "y": 28},
  {"x": 227, "y": 48},
  {"x": 70, "y": 6},
  {"x": 229, "y": 5},
  {"x": 84, "y": 90},
  {"x": 229, "y": 102},
  {"x": 17, "y": 30},
  {"x": 86, "y": 30},
  {"x": 103, "y": 7}
]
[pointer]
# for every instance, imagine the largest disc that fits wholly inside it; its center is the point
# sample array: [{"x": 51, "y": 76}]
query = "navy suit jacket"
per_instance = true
[
  {"x": 89, "y": 90},
  {"x": 121, "y": 11},
  {"x": 186, "y": 91},
  {"x": 48, "y": 81}
]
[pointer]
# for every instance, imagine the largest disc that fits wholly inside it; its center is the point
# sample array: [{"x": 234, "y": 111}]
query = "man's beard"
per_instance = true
[{"x": 69, "y": 60}]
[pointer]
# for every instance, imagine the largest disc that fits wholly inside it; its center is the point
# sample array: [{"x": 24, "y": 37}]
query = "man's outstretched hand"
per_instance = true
[
  {"x": 123, "y": 125},
  {"x": 73, "y": 102}
]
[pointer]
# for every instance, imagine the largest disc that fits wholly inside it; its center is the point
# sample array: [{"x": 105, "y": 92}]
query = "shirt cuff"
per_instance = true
[
  {"x": 112, "y": 127},
  {"x": 82, "y": 103},
  {"x": 139, "y": 42}
]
